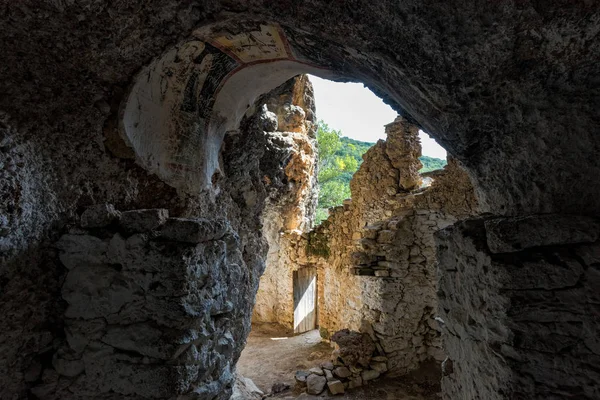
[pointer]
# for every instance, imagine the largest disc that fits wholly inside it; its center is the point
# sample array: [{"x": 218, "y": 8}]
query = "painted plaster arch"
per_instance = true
[{"x": 181, "y": 104}]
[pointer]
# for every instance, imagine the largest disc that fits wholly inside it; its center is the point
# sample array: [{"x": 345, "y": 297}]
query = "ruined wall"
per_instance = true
[
  {"x": 376, "y": 254},
  {"x": 380, "y": 278},
  {"x": 520, "y": 305},
  {"x": 511, "y": 89},
  {"x": 288, "y": 212}
]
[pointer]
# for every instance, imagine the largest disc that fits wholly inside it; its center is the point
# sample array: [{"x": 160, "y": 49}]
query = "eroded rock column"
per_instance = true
[{"x": 520, "y": 301}]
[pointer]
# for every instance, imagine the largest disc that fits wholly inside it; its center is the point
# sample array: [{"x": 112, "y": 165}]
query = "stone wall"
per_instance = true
[
  {"x": 520, "y": 304},
  {"x": 469, "y": 75},
  {"x": 375, "y": 255},
  {"x": 379, "y": 277},
  {"x": 152, "y": 305}
]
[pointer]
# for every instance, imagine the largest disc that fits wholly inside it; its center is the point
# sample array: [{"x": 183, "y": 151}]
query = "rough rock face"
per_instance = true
[
  {"x": 148, "y": 311},
  {"x": 403, "y": 150},
  {"x": 133, "y": 306},
  {"x": 517, "y": 322},
  {"x": 291, "y": 107},
  {"x": 493, "y": 84},
  {"x": 355, "y": 348},
  {"x": 245, "y": 389}
]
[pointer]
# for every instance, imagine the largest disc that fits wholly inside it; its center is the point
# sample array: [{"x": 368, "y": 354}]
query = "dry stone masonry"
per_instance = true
[
  {"x": 354, "y": 362},
  {"x": 292, "y": 112},
  {"x": 515, "y": 306},
  {"x": 150, "y": 304}
]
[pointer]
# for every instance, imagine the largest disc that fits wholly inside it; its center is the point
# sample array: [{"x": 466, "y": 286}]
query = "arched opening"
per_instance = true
[{"x": 185, "y": 104}]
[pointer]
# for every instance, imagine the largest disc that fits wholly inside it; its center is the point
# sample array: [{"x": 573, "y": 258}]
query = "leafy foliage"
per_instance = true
[
  {"x": 339, "y": 158},
  {"x": 431, "y": 163}
]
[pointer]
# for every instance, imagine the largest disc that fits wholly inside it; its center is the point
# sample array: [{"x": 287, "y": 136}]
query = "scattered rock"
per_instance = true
[
  {"x": 301, "y": 376},
  {"x": 335, "y": 387},
  {"x": 245, "y": 389},
  {"x": 380, "y": 367},
  {"x": 315, "y": 384},
  {"x": 316, "y": 371},
  {"x": 329, "y": 375},
  {"x": 369, "y": 375},
  {"x": 342, "y": 372},
  {"x": 327, "y": 365},
  {"x": 279, "y": 387}
]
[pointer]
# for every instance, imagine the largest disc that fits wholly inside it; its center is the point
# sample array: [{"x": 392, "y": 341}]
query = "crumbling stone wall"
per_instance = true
[
  {"x": 519, "y": 300},
  {"x": 376, "y": 253},
  {"x": 381, "y": 278},
  {"x": 470, "y": 75}
]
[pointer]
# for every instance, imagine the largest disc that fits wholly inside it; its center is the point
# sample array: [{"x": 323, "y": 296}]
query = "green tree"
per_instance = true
[{"x": 338, "y": 161}]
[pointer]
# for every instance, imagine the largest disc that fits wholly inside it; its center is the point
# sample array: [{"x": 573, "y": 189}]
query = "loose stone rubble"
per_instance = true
[{"x": 354, "y": 362}]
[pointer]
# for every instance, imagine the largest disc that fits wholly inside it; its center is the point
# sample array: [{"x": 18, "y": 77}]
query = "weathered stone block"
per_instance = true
[
  {"x": 342, "y": 372},
  {"x": 369, "y": 375},
  {"x": 143, "y": 220},
  {"x": 301, "y": 377},
  {"x": 315, "y": 384},
  {"x": 99, "y": 216},
  {"x": 328, "y": 375},
  {"x": 335, "y": 387},
  {"x": 81, "y": 250},
  {"x": 193, "y": 230}
]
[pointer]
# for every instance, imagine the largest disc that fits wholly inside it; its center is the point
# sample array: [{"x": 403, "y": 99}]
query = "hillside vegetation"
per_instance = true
[{"x": 339, "y": 159}]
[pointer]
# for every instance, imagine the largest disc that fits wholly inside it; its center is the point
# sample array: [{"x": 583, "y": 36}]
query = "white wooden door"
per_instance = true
[{"x": 305, "y": 299}]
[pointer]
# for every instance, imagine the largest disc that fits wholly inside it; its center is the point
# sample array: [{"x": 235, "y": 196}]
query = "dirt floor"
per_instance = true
[{"x": 273, "y": 355}]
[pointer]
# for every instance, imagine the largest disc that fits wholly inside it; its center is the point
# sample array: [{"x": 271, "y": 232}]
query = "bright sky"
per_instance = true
[{"x": 360, "y": 114}]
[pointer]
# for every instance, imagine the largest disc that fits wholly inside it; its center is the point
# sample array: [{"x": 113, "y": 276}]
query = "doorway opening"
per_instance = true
[{"x": 305, "y": 299}]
